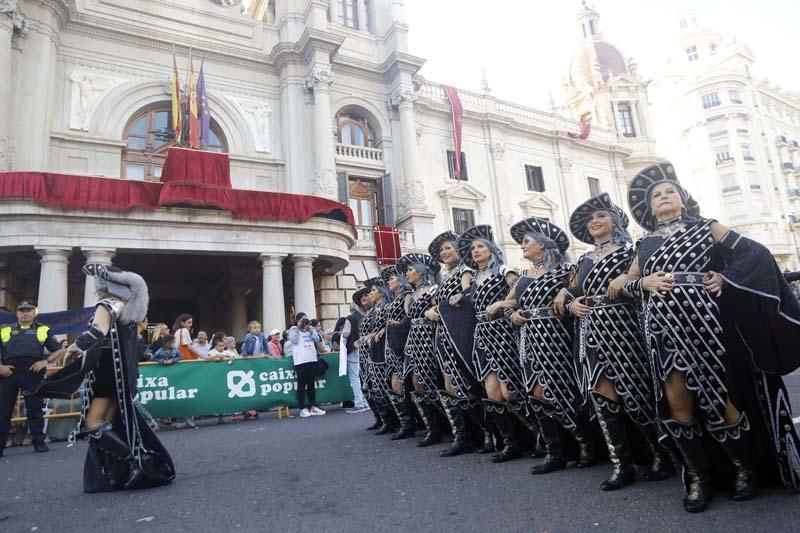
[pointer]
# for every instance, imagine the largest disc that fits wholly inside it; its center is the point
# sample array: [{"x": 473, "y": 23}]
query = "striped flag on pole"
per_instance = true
[
  {"x": 203, "y": 110},
  {"x": 177, "y": 112},
  {"x": 194, "y": 122}
]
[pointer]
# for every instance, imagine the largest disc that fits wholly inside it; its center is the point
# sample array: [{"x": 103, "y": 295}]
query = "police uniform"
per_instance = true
[{"x": 21, "y": 347}]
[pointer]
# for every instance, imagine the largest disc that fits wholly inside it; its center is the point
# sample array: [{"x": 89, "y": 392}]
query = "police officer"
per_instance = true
[{"x": 22, "y": 366}]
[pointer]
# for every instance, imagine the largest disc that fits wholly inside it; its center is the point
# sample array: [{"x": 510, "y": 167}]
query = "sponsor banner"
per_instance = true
[{"x": 194, "y": 388}]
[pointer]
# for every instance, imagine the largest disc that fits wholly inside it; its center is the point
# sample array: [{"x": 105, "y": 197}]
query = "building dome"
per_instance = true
[{"x": 608, "y": 56}]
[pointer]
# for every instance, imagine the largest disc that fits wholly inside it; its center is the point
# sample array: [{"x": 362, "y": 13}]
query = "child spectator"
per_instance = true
[
  {"x": 255, "y": 343},
  {"x": 167, "y": 354},
  {"x": 274, "y": 344},
  {"x": 230, "y": 345},
  {"x": 219, "y": 353}
]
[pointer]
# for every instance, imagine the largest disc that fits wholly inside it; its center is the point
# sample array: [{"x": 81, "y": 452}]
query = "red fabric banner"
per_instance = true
[
  {"x": 196, "y": 178},
  {"x": 387, "y": 245},
  {"x": 586, "y": 129},
  {"x": 457, "y": 113}
]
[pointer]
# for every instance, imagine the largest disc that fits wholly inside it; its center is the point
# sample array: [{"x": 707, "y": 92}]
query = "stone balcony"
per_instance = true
[
  {"x": 365, "y": 242},
  {"x": 359, "y": 155}
]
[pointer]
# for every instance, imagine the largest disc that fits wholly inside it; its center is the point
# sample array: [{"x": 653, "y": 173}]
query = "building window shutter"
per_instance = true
[{"x": 341, "y": 178}]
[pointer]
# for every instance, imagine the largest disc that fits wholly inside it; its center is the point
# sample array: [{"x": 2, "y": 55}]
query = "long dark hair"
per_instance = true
[{"x": 183, "y": 317}]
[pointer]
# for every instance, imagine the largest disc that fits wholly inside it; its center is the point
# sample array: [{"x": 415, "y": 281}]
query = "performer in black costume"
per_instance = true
[
  {"x": 359, "y": 328},
  {"x": 494, "y": 352},
  {"x": 372, "y": 345},
  {"x": 420, "y": 365},
  {"x": 462, "y": 391},
  {"x": 722, "y": 326},
  {"x": 397, "y": 329},
  {"x": 612, "y": 353},
  {"x": 124, "y": 453},
  {"x": 546, "y": 345}
]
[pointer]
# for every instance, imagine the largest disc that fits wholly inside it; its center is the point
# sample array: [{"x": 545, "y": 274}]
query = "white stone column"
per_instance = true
[
  {"x": 102, "y": 256},
  {"x": 304, "y": 301},
  {"x": 408, "y": 134},
  {"x": 635, "y": 117},
  {"x": 239, "y": 311},
  {"x": 272, "y": 301},
  {"x": 363, "y": 24},
  {"x": 53, "y": 279},
  {"x": 6, "y": 31},
  {"x": 320, "y": 81}
]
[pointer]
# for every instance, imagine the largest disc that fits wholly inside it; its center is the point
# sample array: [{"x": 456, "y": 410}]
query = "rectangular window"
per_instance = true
[
  {"x": 729, "y": 183},
  {"x": 723, "y": 155},
  {"x": 746, "y": 155},
  {"x": 626, "y": 120},
  {"x": 451, "y": 165},
  {"x": 347, "y": 13},
  {"x": 691, "y": 53},
  {"x": 710, "y": 100},
  {"x": 534, "y": 178},
  {"x": 463, "y": 219},
  {"x": 755, "y": 183},
  {"x": 594, "y": 186},
  {"x": 134, "y": 172},
  {"x": 735, "y": 96}
]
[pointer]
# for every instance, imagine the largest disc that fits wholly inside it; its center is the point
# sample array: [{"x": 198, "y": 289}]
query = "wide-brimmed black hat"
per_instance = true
[
  {"x": 641, "y": 187},
  {"x": 388, "y": 272},
  {"x": 543, "y": 227},
  {"x": 434, "y": 248},
  {"x": 481, "y": 231},
  {"x": 360, "y": 294},
  {"x": 412, "y": 259},
  {"x": 583, "y": 213},
  {"x": 374, "y": 282}
]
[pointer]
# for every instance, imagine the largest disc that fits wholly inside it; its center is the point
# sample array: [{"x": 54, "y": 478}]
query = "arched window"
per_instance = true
[
  {"x": 149, "y": 135},
  {"x": 354, "y": 130}
]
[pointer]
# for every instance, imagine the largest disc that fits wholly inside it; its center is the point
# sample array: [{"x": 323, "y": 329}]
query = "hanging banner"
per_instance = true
[
  {"x": 196, "y": 388},
  {"x": 60, "y": 323},
  {"x": 457, "y": 114}
]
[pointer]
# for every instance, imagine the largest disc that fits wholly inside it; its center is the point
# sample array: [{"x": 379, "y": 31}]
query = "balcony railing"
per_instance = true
[
  {"x": 731, "y": 188},
  {"x": 794, "y": 146},
  {"x": 781, "y": 140},
  {"x": 359, "y": 154},
  {"x": 724, "y": 161},
  {"x": 787, "y": 167},
  {"x": 365, "y": 239}
]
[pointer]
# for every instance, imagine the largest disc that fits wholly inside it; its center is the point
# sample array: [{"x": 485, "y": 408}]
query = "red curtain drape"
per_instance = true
[{"x": 196, "y": 178}]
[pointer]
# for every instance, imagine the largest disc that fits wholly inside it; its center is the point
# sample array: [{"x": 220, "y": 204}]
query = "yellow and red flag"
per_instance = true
[
  {"x": 177, "y": 112},
  {"x": 194, "y": 114}
]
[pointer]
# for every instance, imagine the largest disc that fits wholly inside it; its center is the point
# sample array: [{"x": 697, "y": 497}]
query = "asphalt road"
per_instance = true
[{"x": 327, "y": 474}]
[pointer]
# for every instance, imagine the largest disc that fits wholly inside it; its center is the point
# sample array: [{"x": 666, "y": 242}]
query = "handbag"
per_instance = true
[{"x": 322, "y": 367}]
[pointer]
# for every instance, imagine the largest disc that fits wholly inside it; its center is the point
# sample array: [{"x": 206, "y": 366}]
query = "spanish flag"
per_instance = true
[
  {"x": 194, "y": 115},
  {"x": 177, "y": 112}
]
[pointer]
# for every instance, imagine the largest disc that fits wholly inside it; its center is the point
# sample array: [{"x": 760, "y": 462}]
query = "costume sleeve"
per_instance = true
[{"x": 51, "y": 343}]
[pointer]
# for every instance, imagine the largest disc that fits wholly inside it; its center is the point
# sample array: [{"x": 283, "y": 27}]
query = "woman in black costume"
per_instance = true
[
  {"x": 721, "y": 325},
  {"x": 124, "y": 453},
  {"x": 372, "y": 343},
  {"x": 612, "y": 353},
  {"x": 421, "y": 366}
]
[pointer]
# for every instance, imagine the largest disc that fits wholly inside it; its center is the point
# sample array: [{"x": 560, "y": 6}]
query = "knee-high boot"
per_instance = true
[
  {"x": 388, "y": 417},
  {"x": 106, "y": 439},
  {"x": 403, "y": 406},
  {"x": 433, "y": 434},
  {"x": 612, "y": 422},
  {"x": 375, "y": 412},
  {"x": 737, "y": 441},
  {"x": 484, "y": 427},
  {"x": 583, "y": 435},
  {"x": 455, "y": 415},
  {"x": 504, "y": 421},
  {"x": 524, "y": 412},
  {"x": 697, "y": 470},
  {"x": 551, "y": 434},
  {"x": 661, "y": 468}
]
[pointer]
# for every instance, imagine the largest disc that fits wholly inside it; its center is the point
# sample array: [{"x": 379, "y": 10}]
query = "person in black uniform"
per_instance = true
[{"x": 22, "y": 366}]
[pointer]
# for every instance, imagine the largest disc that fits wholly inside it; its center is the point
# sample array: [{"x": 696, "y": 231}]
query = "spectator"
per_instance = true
[
  {"x": 141, "y": 342},
  {"x": 336, "y": 338},
  {"x": 287, "y": 345},
  {"x": 220, "y": 353},
  {"x": 219, "y": 335},
  {"x": 304, "y": 338},
  {"x": 322, "y": 347},
  {"x": 201, "y": 346},
  {"x": 255, "y": 343},
  {"x": 183, "y": 337},
  {"x": 157, "y": 340},
  {"x": 167, "y": 354},
  {"x": 350, "y": 336},
  {"x": 274, "y": 344},
  {"x": 230, "y": 345}
]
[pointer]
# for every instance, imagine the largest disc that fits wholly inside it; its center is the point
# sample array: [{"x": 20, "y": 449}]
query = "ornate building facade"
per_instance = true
[
  {"x": 315, "y": 97},
  {"x": 732, "y": 136}
]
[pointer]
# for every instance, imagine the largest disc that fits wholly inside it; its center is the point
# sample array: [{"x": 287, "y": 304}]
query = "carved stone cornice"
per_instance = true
[
  {"x": 320, "y": 79},
  {"x": 401, "y": 62},
  {"x": 314, "y": 40},
  {"x": 402, "y": 96}
]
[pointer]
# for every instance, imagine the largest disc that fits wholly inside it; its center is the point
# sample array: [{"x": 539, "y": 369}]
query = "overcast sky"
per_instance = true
[{"x": 526, "y": 45}]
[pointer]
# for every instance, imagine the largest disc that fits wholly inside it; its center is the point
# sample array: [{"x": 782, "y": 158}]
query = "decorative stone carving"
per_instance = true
[
  {"x": 412, "y": 197},
  {"x": 257, "y": 115},
  {"x": 398, "y": 8},
  {"x": 403, "y": 95},
  {"x": 88, "y": 88},
  {"x": 622, "y": 176},
  {"x": 498, "y": 149},
  {"x": 10, "y": 8},
  {"x": 320, "y": 79},
  {"x": 565, "y": 163},
  {"x": 228, "y": 3},
  {"x": 325, "y": 183}
]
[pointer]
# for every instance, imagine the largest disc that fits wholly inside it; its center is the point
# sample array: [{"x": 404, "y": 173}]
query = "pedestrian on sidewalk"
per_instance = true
[{"x": 304, "y": 338}]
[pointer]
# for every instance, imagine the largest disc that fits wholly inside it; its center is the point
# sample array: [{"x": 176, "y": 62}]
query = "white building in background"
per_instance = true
[
  {"x": 732, "y": 136},
  {"x": 317, "y": 97}
]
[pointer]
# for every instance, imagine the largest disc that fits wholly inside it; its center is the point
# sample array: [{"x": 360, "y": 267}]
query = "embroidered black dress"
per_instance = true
[
  {"x": 365, "y": 370},
  {"x": 546, "y": 345},
  {"x": 455, "y": 336},
  {"x": 397, "y": 334},
  {"x": 420, "y": 351},
  {"x": 611, "y": 341}
]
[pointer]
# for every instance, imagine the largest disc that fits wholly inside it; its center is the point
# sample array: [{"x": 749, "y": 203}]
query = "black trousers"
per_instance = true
[
  {"x": 24, "y": 379},
  {"x": 306, "y": 376}
]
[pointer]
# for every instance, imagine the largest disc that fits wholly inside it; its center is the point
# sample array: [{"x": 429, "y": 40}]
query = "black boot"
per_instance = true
[
  {"x": 405, "y": 413},
  {"x": 504, "y": 421},
  {"x": 697, "y": 477},
  {"x": 612, "y": 422},
  {"x": 662, "y": 467},
  {"x": 433, "y": 435},
  {"x": 483, "y": 427},
  {"x": 551, "y": 434},
  {"x": 455, "y": 414},
  {"x": 106, "y": 439},
  {"x": 39, "y": 446},
  {"x": 525, "y": 414},
  {"x": 583, "y": 435},
  {"x": 737, "y": 441},
  {"x": 374, "y": 406},
  {"x": 388, "y": 417}
]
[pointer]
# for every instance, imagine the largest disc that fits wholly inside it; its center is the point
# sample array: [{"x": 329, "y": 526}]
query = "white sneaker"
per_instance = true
[
  {"x": 304, "y": 413},
  {"x": 316, "y": 411}
]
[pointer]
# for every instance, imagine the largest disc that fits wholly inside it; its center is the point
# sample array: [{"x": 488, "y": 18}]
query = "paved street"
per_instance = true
[{"x": 327, "y": 474}]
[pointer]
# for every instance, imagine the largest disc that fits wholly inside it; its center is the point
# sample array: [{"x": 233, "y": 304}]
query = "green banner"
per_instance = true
[{"x": 194, "y": 388}]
